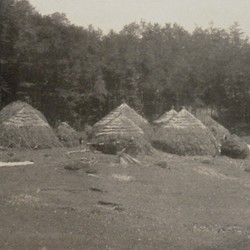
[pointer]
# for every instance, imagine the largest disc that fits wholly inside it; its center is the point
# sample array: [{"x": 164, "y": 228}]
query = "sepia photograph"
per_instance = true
[{"x": 124, "y": 125}]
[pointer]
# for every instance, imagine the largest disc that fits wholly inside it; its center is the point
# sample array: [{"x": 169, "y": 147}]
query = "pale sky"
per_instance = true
[{"x": 114, "y": 14}]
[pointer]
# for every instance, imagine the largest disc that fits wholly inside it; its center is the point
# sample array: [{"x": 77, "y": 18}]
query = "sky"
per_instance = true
[{"x": 114, "y": 14}]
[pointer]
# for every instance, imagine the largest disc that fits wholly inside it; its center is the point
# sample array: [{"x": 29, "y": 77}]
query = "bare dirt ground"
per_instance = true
[{"x": 168, "y": 202}]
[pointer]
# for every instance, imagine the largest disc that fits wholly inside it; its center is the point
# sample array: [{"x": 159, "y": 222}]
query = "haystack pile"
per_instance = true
[
  {"x": 166, "y": 117},
  {"x": 235, "y": 147},
  {"x": 185, "y": 135},
  {"x": 119, "y": 132},
  {"x": 67, "y": 135},
  {"x": 22, "y": 126},
  {"x": 218, "y": 131},
  {"x": 129, "y": 113}
]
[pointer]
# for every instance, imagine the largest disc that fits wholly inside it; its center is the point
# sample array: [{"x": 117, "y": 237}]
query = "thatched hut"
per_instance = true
[
  {"x": 185, "y": 135},
  {"x": 22, "y": 126},
  {"x": 218, "y": 131},
  {"x": 118, "y": 134},
  {"x": 67, "y": 135},
  {"x": 166, "y": 117},
  {"x": 128, "y": 112}
]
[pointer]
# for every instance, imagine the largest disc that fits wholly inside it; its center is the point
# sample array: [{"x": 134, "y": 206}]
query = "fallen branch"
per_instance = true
[
  {"x": 14, "y": 164},
  {"x": 78, "y": 151}
]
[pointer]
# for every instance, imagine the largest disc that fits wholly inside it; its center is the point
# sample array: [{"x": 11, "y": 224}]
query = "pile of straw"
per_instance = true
[
  {"x": 22, "y": 126},
  {"x": 185, "y": 135},
  {"x": 119, "y": 133},
  {"x": 218, "y": 131},
  {"x": 67, "y": 135},
  {"x": 166, "y": 117},
  {"x": 235, "y": 147},
  {"x": 128, "y": 112}
]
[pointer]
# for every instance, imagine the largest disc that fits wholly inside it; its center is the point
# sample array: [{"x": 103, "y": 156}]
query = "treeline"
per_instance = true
[{"x": 79, "y": 74}]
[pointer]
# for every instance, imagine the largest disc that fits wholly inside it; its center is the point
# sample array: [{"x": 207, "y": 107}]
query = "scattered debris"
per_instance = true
[
  {"x": 96, "y": 190},
  {"x": 78, "y": 151},
  {"x": 63, "y": 189},
  {"x": 110, "y": 205},
  {"x": 23, "y": 199},
  {"x": 124, "y": 178},
  {"x": 125, "y": 159},
  {"x": 213, "y": 173},
  {"x": 220, "y": 229}
]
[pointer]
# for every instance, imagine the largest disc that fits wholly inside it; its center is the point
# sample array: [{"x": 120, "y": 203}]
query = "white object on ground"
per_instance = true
[
  {"x": 124, "y": 178},
  {"x": 13, "y": 164}
]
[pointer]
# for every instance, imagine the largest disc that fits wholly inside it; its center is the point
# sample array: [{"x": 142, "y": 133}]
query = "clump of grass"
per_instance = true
[
  {"x": 162, "y": 164},
  {"x": 247, "y": 169},
  {"x": 207, "y": 161},
  {"x": 10, "y": 154}
]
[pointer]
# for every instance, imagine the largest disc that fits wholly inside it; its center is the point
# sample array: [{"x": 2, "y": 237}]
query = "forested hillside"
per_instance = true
[{"x": 78, "y": 74}]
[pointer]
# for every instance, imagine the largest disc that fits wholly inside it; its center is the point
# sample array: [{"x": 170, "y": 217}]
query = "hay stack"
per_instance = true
[
  {"x": 235, "y": 147},
  {"x": 67, "y": 135},
  {"x": 119, "y": 133},
  {"x": 166, "y": 117},
  {"x": 22, "y": 126},
  {"x": 218, "y": 131},
  {"x": 185, "y": 135},
  {"x": 128, "y": 112}
]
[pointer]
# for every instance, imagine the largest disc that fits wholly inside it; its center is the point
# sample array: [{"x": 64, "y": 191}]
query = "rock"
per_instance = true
[{"x": 234, "y": 147}]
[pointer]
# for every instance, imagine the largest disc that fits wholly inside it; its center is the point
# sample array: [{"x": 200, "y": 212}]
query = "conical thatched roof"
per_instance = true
[
  {"x": 166, "y": 116},
  {"x": 217, "y": 129},
  {"x": 185, "y": 135},
  {"x": 67, "y": 135},
  {"x": 184, "y": 119},
  {"x": 23, "y": 126},
  {"x": 119, "y": 133},
  {"x": 128, "y": 112},
  {"x": 119, "y": 126}
]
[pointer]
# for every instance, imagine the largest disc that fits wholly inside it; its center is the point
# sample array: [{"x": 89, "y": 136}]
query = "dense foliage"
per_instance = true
[{"x": 79, "y": 74}]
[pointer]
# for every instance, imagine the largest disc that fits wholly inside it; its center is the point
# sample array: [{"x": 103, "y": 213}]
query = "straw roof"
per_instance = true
[
  {"x": 119, "y": 126},
  {"x": 166, "y": 116},
  {"x": 128, "y": 112},
  {"x": 184, "y": 119},
  {"x": 185, "y": 135},
  {"x": 67, "y": 135},
  {"x": 120, "y": 133},
  {"x": 216, "y": 128},
  {"x": 23, "y": 126}
]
